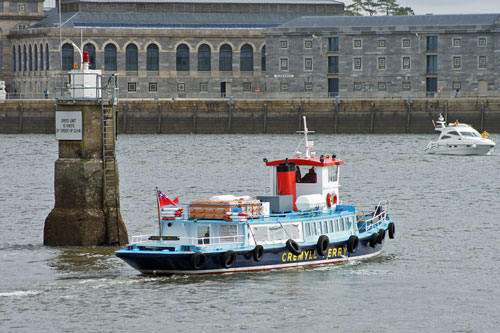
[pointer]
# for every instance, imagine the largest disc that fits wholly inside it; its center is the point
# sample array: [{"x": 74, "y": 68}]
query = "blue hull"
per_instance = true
[{"x": 165, "y": 262}]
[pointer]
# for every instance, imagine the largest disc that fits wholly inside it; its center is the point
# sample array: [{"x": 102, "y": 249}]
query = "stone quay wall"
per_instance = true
[{"x": 266, "y": 116}]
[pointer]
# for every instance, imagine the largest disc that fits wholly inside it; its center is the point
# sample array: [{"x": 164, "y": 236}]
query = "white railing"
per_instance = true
[
  {"x": 378, "y": 217},
  {"x": 202, "y": 242}
]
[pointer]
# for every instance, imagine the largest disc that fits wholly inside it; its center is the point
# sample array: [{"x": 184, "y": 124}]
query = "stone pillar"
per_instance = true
[{"x": 85, "y": 213}]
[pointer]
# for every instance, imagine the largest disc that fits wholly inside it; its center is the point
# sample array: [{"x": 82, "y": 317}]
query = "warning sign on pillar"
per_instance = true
[{"x": 69, "y": 125}]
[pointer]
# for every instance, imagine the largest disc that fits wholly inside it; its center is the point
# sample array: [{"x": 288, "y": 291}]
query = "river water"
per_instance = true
[{"x": 440, "y": 273}]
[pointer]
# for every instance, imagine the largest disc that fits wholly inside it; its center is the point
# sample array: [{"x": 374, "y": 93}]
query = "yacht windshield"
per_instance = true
[{"x": 471, "y": 134}]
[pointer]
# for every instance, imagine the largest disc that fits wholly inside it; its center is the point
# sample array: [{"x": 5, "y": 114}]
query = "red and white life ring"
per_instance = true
[{"x": 331, "y": 200}]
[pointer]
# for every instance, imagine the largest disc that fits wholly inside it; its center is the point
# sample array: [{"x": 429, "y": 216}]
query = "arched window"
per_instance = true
[
  {"x": 19, "y": 59},
  {"x": 131, "y": 58},
  {"x": 204, "y": 58},
  {"x": 90, "y": 48},
  {"x": 110, "y": 57},
  {"x": 153, "y": 58},
  {"x": 226, "y": 58},
  {"x": 30, "y": 55},
  {"x": 13, "y": 58},
  {"x": 35, "y": 61},
  {"x": 182, "y": 58},
  {"x": 47, "y": 57},
  {"x": 263, "y": 59},
  {"x": 41, "y": 57},
  {"x": 68, "y": 57},
  {"x": 246, "y": 58},
  {"x": 25, "y": 63}
]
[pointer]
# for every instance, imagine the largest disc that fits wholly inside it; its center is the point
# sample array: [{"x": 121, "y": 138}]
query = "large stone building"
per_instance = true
[{"x": 254, "y": 48}]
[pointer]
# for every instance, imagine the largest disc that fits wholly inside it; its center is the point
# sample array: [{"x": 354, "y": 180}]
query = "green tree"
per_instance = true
[
  {"x": 387, "y": 6},
  {"x": 370, "y": 6},
  {"x": 355, "y": 8},
  {"x": 403, "y": 11}
]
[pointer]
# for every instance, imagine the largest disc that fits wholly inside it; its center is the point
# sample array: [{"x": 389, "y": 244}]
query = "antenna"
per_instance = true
[{"x": 308, "y": 144}]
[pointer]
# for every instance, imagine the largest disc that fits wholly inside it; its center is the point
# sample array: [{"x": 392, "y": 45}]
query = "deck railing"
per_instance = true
[{"x": 378, "y": 217}]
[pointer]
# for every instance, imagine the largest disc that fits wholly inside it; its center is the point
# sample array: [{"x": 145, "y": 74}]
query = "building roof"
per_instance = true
[
  {"x": 391, "y": 21},
  {"x": 251, "y": 2},
  {"x": 165, "y": 20}
]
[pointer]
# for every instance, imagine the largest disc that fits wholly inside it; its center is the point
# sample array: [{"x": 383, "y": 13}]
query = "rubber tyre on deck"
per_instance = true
[
  {"x": 392, "y": 230},
  {"x": 381, "y": 236},
  {"x": 228, "y": 259},
  {"x": 352, "y": 244},
  {"x": 198, "y": 260},
  {"x": 258, "y": 253},
  {"x": 293, "y": 247},
  {"x": 322, "y": 246},
  {"x": 374, "y": 239}
]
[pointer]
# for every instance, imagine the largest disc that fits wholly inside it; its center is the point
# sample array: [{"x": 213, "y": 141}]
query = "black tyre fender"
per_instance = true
[
  {"x": 322, "y": 245},
  {"x": 374, "y": 239},
  {"x": 198, "y": 260},
  {"x": 381, "y": 236},
  {"x": 352, "y": 244},
  {"x": 293, "y": 247},
  {"x": 392, "y": 230},
  {"x": 228, "y": 259},
  {"x": 258, "y": 253}
]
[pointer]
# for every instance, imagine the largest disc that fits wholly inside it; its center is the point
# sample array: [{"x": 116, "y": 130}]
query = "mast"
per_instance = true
[{"x": 308, "y": 144}]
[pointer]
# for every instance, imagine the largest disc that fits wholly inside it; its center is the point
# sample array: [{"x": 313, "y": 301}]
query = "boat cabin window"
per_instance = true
[
  {"x": 453, "y": 133},
  {"x": 203, "y": 235},
  {"x": 332, "y": 173},
  {"x": 446, "y": 137},
  {"x": 310, "y": 176},
  {"x": 308, "y": 229},
  {"x": 330, "y": 224},
  {"x": 470, "y": 134},
  {"x": 337, "y": 225},
  {"x": 277, "y": 233},
  {"x": 325, "y": 227}
]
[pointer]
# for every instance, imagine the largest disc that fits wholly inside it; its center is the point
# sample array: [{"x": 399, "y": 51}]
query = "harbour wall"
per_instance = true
[{"x": 266, "y": 116}]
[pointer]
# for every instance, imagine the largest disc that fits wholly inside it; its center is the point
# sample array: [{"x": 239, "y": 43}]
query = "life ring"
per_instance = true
[
  {"x": 352, "y": 244},
  {"x": 293, "y": 247},
  {"x": 322, "y": 245},
  {"x": 374, "y": 239},
  {"x": 392, "y": 230},
  {"x": 331, "y": 200},
  {"x": 228, "y": 259},
  {"x": 381, "y": 236},
  {"x": 198, "y": 260},
  {"x": 258, "y": 253}
]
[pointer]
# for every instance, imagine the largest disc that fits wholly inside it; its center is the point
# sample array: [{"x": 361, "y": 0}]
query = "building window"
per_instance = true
[
  {"x": 263, "y": 59},
  {"x": 456, "y": 42},
  {"x": 406, "y": 43},
  {"x": 204, "y": 86},
  {"x": 19, "y": 58},
  {"x": 246, "y": 58},
  {"x": 21, "y": 7},
  {"x": 357, "y": 86},
  {"x": 90, "y": 49},
  {"x": 14, "y": 58},
  {"x": 284, "y": 44},
  {"x": 381, "y": 43},
  {"x": 308, "y": 86},
  {"x": 457, "y": 62},
  {"x": 226, "y": 58},
  {"x": 482, "y": 42},
  {"x": 457, "y": 85},
  {"x": 333, "y": 44},
  {"x": 431, "y": 64},
  {"x": 153, "y": 86},
  {"x": 132, "y": 86},
  {"x": 382, "y": 86},
  {"x": 67, "y": 57},
  {"x": 406, "y": 85},
  {"x": 204, "y": 58},
  {"x": 381, "y": 63},
  {"x": 308, "y": 44},
  {"x": 181, "y": 87},
  {"x": 308, "y": 64},
  {"x": 481, "y": 62},
  {"x": 35, "y": 54},
  {"x": 333, "y": 64},
  {"x": 22, "y": 26},
  {"x": 47, "y": 57},
  {"x": 110, "y": 57},
  {"x": 283, "y": 86},
  {"x": 247, "y": 86},
  {"x": 406, "y": 63},
  {"x": 152, "y": 58},
  {"x": 25, "y": 59},
  {"x": 41, "y": 57},
  {"x": 432, "y": 43},
  {"x": 357, "y": 44},
  {"x": 283, "y": 64},
  {"x": 182, "y": 58},
  {"x": 30, "y": 54},
  {"x": 357, "y": 63},
  {"x": 131, "y": 57}
]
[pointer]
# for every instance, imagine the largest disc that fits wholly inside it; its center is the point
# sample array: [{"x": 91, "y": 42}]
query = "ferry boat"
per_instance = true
[
  {"x": 302, "y": 222},
  {"x": 459, "y": 139}
]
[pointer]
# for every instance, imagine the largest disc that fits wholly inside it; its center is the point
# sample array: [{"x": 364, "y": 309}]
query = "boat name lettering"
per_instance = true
[{"x": 312, "y": 255}]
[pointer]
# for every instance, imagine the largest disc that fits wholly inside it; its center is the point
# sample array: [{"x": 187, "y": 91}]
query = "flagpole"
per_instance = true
[{"x": 159, "y": 213}]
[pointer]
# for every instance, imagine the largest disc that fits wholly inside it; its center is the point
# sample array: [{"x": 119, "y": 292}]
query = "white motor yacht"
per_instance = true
[{"x": 459, "y": 139}]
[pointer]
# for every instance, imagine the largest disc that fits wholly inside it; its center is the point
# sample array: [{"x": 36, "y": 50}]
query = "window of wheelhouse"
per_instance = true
[
  {"x": 310, "y": 175},
  {"x": 333, "y": 173},
  {"x": 203, "y": 235}
]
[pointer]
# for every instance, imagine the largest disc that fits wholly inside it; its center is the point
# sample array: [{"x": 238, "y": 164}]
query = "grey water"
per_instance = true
[{"x": 440, "y": 274}]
